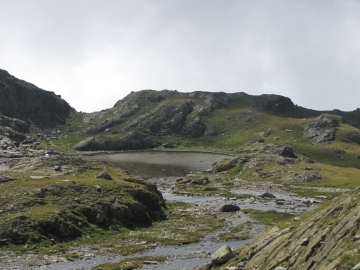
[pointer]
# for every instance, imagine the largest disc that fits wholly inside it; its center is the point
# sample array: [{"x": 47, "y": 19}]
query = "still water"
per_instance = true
[{"x": 161, "y": 164}]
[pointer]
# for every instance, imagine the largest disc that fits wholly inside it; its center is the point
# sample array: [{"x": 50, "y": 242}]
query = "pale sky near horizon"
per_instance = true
[{"x": 94, "y": 52}]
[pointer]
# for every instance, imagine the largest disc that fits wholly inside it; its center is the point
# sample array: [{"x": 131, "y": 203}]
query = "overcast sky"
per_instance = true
[{"x": 95, "y": 52}]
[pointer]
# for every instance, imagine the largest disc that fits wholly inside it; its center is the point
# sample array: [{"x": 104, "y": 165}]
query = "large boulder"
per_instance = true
[
  {"x": 104, "y": 175},
  {"x": 287, "y": 151},
  {"x": 222, "y": 255},
  {"x": 229, "y": 208}
]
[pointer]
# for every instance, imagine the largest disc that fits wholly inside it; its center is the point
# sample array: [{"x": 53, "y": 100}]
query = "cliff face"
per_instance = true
[{"x": 25, "y": 101}]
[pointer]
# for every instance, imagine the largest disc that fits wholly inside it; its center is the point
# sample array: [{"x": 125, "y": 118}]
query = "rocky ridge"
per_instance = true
[
  {"x": 161, "y": 113},
  {"x": 324, "y": 241},
  {"x": 142, "y": 119}
]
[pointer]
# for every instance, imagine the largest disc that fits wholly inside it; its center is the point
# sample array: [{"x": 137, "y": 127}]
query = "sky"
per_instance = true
[{"x": 95, "y": 52}]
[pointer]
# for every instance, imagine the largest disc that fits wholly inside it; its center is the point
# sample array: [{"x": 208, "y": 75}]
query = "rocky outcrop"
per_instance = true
[
  {"x": 353, "y": 136},
  {"x": 62, "y": 211},
  {"x": 132, "y": 141},
  {"x": 322, "y": 129},
  {"x": 30, "y": 104},
  {"x": 25, "y": 109},
  {"x": 323, "y": 241},
  {"x": 258, "y": 155},
  {"x": 275, "y": 103}
]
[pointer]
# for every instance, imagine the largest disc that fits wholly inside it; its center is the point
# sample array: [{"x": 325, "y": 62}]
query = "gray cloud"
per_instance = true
[{"x": 95, "y": 52}]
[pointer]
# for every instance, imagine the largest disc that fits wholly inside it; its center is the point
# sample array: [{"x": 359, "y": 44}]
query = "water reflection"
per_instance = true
[{"x": 161, "y": 164}]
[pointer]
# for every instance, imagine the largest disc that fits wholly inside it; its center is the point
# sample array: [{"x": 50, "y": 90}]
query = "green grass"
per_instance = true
[
  {"x": 347, "y": 262},
  {"x": 268, "y": 218}
]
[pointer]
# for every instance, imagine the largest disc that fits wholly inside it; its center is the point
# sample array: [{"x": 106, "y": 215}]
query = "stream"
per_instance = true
[{"x": 177, "y": 164}]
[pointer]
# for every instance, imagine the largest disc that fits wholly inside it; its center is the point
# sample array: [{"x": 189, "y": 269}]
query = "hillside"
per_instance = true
[{"x": 218, "y": 122}]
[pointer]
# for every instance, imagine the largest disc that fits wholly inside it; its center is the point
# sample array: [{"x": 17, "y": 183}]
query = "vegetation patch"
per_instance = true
[{"x": 268, "y": 218}]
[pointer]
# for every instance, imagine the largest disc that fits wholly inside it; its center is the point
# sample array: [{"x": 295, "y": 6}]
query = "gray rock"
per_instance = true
[
  {"x": 251, "y": 253},
  {"x": 304, "y": 242},
  {"x": 287, "y": 152},
  {"x": 200, "y": 181},
  {"x": 4, "y": 179},
  {"x": 267, "y": 195},
  {"x": 84, "y": 144},
  {"x": 104, "y": 175},
  {"x": 322, "y": 129},
  {"x": 168, "y": 145},
  {"x": 222, "y": 255},
  {"x": 184, "y": 181},
  {"x": 356, "y": 267},
  {"x": 229, "y": 208}
]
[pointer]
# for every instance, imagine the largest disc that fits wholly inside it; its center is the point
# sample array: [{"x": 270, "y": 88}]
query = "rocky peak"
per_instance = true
[{"x": 25, "y": 101}]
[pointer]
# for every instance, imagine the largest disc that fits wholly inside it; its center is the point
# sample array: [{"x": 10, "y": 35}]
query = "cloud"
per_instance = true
[{"x": 96, "y": 52}]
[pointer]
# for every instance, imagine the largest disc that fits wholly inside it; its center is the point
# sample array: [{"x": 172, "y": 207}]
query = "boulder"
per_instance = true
[
  {"x": 200, "y": 181},
  {"x": 104, "y": 175},
  {"x": 168, "y": 145},
  {"x": 222, "y": 255},
  {"x": 267, "y": 195},
  {"x": 229, "y": 208},
  {"x": 4, "y": 179},
  {"x": 287, "y": 152}
]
